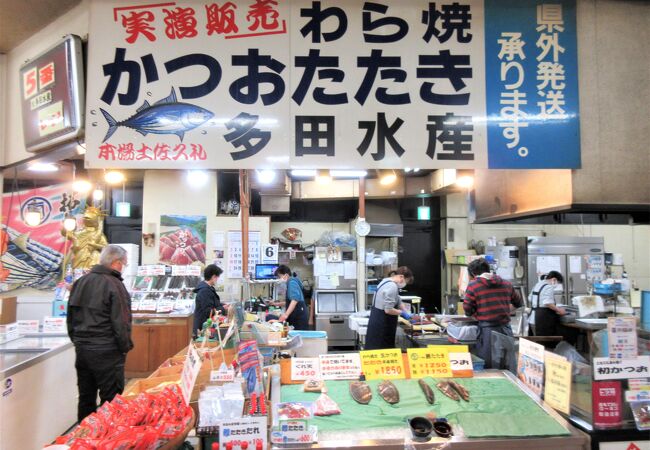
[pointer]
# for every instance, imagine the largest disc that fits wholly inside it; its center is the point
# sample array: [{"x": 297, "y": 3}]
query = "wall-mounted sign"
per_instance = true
[
  {"x": 328, "y": 84},
  {"x": 52, "y": 86}
]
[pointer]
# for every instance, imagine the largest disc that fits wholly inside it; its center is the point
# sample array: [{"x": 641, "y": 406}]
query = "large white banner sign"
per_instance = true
[{"x": 332, "y": 84}]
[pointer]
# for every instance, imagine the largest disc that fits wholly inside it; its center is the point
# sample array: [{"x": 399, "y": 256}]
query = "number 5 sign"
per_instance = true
[{"x": 270, "y": 254}]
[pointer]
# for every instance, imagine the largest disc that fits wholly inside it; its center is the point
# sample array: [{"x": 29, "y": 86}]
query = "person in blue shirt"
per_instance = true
[{"x": 296, "y": 312}]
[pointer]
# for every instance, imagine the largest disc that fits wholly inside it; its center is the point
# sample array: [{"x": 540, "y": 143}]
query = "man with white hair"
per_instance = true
[{"x": 99, "y": 325}]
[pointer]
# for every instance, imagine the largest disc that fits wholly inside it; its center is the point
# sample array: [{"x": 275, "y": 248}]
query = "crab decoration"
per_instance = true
[{"x": 181, "y": 248}]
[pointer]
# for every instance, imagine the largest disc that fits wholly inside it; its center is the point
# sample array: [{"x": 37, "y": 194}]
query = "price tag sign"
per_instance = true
[
  {"x": 54, "y": 325},
  {"x": 382, "y": 364},
  {"x": 461, "y": 365},
  {"x": 425, "y": 362},
  {"x": 557, "y": 383},
  {"x": 165, "y": 306},
  {"x": 158, "y": 269},
  {"x": 28, "y": 326},
  {"x": 222, "y": 376},
  {"x": 294, "y": 432},
  {"x": 179, "y": 271},
  {"x": 340, "y": 366},
  {"x": 148, "y": 305},
  {"x": 191, "y": 370},
  {"x": 305, "y": 369},
  {"x": 621, "y": 369},
  {"x": 450, "y": 348},
  {"x": 194, "y": 271},
  {"x": 233, "y": 433}
]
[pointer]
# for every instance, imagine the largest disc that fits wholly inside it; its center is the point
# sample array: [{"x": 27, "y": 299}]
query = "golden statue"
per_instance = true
[{"x": 88, "y": 242}]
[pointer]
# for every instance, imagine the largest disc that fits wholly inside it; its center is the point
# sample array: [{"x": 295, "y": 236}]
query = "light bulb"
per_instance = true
[
  {"x": 33, "y": 218},
  {"x": 388, "y": 178},
  {"x": 323, "y": 177},
  {"x": 70, "y": 223},
  {"x": 465, "y": 182},
  {"x": 197, "y": 178},
  {"x": 98, "y": 195},
  {"x": 81, "y": 186},
  {"x": 265, "y": 176},
  {"x": 114, "y": 177}
]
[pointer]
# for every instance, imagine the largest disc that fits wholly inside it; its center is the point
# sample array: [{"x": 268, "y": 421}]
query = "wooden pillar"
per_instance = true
[{"x": 245, "y": 203}]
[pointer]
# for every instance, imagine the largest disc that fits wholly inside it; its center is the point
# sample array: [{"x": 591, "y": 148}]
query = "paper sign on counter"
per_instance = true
[
  {"x": 305, "y": 369},
  {"x": 461, "y": 364},
  {"x": 55, "y": 325},
  {"x": 557, "y": 383},
  {"x": 530, "y": 365},
  {"x": 28, "y": 326},
  {"x": 247, "y": 429},
  {"x": 222, "y": 376},
  {"x": 621, "y": 369},
  {"x": 191, "y": 370},
  {"x": 428, "y": 362},
  {"x": 340, "y": 366},
  {"x": 385, "y": 364},
  {"x": 621, "y": 337},
  {"x": 449, "y": 348},
  {"x": 350, "y": 270}
]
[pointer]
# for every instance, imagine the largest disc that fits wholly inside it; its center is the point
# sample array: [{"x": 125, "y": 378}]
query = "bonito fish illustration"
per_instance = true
[{"x": 166, "y": 116}]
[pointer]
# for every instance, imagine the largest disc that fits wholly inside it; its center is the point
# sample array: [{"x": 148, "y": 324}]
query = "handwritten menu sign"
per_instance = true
[
  {"x": 340, "y": 366},
  {"x": 305, "y": 369},
  {"x": 425, "y": 362},
  {"x": 191, "y": 370},
  {"x": 557, "y": 382},
  {"x": 383, "y": 364}
]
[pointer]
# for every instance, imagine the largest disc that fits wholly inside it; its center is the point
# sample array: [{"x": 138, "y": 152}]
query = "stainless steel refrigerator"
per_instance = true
[{"x": 580, "y": 260}]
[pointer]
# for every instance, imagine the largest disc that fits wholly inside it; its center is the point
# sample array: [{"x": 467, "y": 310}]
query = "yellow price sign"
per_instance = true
[
  {"x": 557, "y": 383},
  {"x": 382, "y": 364},
  {"x": 427, "y": 362}
]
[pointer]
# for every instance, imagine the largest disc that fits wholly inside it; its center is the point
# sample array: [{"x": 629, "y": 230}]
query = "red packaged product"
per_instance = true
[
  {"x": 83, "y": 444},
  {"x": 98, "y": 428}
]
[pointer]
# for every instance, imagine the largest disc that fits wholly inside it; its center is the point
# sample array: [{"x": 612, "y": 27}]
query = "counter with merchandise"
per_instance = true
[
  {"x": 39, "y": 389},
  {"x": 500, "y": 413}
]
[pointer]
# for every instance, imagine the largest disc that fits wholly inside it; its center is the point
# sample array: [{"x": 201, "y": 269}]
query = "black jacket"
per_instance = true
[
  {"x": 99, "y": 311},
  {"x": 206, "y": 300}
]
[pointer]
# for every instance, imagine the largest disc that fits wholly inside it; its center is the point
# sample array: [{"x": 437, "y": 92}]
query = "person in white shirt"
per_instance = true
[{"x": 545, "y": 315}]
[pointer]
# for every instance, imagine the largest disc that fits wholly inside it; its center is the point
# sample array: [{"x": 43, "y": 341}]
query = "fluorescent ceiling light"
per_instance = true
[
  {"x": 323, "y": 177},
  {"x": 43, "y": 167},
  {"x": 348, "y": 173},
  {"x": 306, "y": 173}
]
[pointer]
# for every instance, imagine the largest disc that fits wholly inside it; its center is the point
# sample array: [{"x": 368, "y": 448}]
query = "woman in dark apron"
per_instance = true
[
  {"x": 545, "y": 313},
  {"x": 296, "y": 312},
  {"x": 386, "y": 307}
]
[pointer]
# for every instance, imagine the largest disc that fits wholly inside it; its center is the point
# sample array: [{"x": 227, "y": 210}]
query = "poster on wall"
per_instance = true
[
  {"x": 235, "y": 253},
  {"x": 252, "y": 84},
  {"x": 31, "y": 256},
  {"x": 182, "y": 239}
]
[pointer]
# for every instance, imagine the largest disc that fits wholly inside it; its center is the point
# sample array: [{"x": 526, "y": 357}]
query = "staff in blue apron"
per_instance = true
[
  {"x": 386, "y": 307},
  {"x": 545, "y": 316},
  {"x": 296, "y": 312}
]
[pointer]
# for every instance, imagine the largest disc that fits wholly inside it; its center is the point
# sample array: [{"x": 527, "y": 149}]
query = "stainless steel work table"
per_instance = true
[{"x": 577, "y": 440}]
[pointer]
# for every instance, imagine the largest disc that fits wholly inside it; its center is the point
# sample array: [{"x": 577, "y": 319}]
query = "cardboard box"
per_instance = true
[
  {"x": 145, "y": 384},
  {"x": 8, "y": 306}
]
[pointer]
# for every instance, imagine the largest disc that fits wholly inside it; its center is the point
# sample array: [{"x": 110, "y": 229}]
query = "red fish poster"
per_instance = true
[{"x": 182, "y": 239}]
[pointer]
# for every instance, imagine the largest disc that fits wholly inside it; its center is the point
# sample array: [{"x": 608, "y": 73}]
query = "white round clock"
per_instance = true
[{"x": 362, "y": 227}]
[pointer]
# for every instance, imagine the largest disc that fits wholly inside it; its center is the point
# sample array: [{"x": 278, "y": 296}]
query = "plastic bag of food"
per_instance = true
[
  {"x": 84, "y": 444},
  {"x": 641, "y": 411},
  {"x": 98, "y": 428},
  {"x": 295, "y": 410},
  {"x": 325, "y": 406}
]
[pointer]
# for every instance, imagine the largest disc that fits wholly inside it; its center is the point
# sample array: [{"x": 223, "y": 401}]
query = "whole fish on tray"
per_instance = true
[
  {"x": 388, "y": 392},
  {"x": 428, "y": 392},
  {"x": 462, "y": 390},
  {"x": 449, "y": 391},
  {"x": 360, "y": 392}
]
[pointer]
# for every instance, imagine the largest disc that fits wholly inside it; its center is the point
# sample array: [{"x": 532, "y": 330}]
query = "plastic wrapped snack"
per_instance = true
[
  {"x": 295, "y": 410},
  {"x": 313, "y": 386},
  {"x": 641, "y": 411}
]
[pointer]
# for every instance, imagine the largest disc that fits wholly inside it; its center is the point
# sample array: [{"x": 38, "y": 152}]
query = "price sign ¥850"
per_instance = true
[{"x": 382, "y": 364}]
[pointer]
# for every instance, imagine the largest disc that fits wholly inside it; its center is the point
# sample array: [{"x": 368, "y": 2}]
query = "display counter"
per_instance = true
[
  {"x": 39, "y": 390},
  {"x": 502, "y": 413},
  {"x": 156, "y": 337}
]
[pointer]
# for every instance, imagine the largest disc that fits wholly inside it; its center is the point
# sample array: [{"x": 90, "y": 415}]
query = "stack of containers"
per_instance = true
[{"x": 133, "y": 255}]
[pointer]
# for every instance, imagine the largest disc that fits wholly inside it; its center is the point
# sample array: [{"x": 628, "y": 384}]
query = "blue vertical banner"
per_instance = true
[{"x": 532, "y": 84}]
